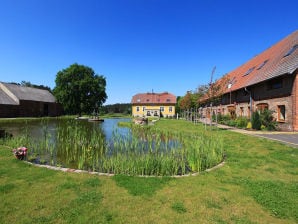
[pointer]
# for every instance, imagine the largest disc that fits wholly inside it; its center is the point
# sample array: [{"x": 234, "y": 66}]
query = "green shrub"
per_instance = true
[
  {"x": 241, "y": 122},
  {"x": 256, "y": 121},
  {"x": 231, "y": 123},
  {"x": 223, "y": 118},
  {"x": 267, "y": 120}
]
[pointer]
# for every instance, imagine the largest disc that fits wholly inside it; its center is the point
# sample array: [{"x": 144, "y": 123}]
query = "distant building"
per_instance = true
[
  {"x": 153, "y": 105},
  {"x": 267, "y": 81},
  {"x": 20, "y": 101}
]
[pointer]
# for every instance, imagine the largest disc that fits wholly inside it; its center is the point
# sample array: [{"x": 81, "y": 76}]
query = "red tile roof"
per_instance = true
[
  {"x": 269, "y": 64},
  {"x": 153, "y": 98}
]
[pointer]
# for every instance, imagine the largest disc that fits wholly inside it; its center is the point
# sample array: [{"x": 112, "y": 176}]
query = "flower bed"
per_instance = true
[{"x": 20, "y": 153}]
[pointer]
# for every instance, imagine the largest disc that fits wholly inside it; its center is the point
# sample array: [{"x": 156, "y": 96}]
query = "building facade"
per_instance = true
[
  {"x": 153, "y": 105},
  {"x": 20, "y": 101},
  {"x": 269, "y": 80}
]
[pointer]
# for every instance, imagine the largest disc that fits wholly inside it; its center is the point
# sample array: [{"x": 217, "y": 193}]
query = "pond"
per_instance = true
[
  {"x": 35, "y": 127},
  {"x": 109, "y": 148}
]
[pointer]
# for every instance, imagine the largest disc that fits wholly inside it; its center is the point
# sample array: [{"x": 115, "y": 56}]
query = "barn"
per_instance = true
[{"x": 21, "y": 101}]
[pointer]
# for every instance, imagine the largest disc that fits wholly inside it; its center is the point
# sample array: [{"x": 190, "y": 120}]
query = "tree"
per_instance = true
[
  {"x": 124, "y": 108},
  {"x": 186, "y": 102},
  {"x": 79, "y": 89},
  {"x": 29, "y": 84}
]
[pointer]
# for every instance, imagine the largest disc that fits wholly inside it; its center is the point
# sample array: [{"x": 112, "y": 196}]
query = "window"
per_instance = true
[
  {"x": 162, "y": 109},
  {"x": 148, "y": 113},
  {"x": 262, "y": 106},
  {"x": 168, "y": 100},
  {"x": 144, "y": 108},
  {"x": 232, "y": 111},
  {"x": 281, "y": 113},
  {"x": 170, "y": 109},
  {"x": 291, "y": 50},
  {"x": 138, "y": 100},
  {"x": 147, "y": 100},
  {"x": 262, "y": 65},
  {"x": 249, "y": 71},
  {"x": 138, "y": 109}
]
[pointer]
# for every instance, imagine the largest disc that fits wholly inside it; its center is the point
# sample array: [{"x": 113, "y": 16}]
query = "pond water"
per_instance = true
[
  {"x": 107, "y": 147},
  {"x": 48, "y": 148},
  {"x": 36, "y": 127},
  {"x": 80, "y": 144}
]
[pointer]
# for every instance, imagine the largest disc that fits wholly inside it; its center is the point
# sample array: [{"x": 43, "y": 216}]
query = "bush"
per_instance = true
[
  {"x": 223, "y": 119},
  {"x": 231, "y": 123},
  {"x": 241, "y": 122},
  {"x": 267, "y": 120},
  {"x": 256, "y": 121}
]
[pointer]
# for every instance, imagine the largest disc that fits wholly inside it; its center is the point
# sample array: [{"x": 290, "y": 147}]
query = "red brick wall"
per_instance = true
[
  {"x": 295, "y": 102},
  {"x": 286, "y": 96}
]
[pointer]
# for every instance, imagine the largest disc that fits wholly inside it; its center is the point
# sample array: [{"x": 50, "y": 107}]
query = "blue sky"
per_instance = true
[{"x": 138, "y": 45}]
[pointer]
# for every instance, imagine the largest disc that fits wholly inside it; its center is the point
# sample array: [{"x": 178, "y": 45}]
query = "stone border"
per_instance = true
[
  {"x": 63, "y": 169},
  {"x": 111, "y": 174},
  {"x": 68, "y": 169}
]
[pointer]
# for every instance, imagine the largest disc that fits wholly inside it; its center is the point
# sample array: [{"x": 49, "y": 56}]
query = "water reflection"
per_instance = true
[
  {"x": 35, "y": 128},
  {"x": 102, "y": 146},
  {"x": 66, "y": 142}
]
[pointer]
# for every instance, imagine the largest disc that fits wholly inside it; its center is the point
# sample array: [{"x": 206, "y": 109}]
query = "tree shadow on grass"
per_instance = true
[{"x": 141, "y": 186}]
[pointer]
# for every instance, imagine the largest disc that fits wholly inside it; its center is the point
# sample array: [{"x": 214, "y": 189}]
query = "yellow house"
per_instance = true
[{"x": 153, "y": 104}]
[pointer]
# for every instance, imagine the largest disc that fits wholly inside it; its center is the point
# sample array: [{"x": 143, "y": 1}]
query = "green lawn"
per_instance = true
[{"x": 257, "y": 184}]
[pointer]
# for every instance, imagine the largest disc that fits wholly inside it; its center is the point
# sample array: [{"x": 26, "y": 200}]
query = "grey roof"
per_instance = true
[
  {"x": 29, "y": 93},
  {"x": 5, "y": 99}
]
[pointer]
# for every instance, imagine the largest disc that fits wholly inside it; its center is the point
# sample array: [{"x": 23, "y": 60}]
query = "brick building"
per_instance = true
[
  {"x": 20, "y": 101},
  {"x": 269, "y": 80}
]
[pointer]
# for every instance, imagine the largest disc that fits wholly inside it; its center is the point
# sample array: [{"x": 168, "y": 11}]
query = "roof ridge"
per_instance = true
[{"x": 9, "y": 93}]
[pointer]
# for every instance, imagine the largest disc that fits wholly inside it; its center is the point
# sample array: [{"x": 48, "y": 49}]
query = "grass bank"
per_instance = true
[{"x": 257, "y": 184}]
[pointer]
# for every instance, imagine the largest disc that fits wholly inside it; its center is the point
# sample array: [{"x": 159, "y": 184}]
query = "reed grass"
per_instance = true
[{"x": 145, "y": 150}]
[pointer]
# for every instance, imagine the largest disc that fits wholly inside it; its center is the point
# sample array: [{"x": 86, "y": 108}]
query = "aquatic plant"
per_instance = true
[{"x": 143, "y": 150}]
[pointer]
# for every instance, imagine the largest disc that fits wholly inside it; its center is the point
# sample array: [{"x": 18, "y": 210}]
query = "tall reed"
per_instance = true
[{"x": 144, "y": 150}]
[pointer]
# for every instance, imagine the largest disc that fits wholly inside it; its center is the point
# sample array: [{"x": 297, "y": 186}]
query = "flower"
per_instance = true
[{"x": 20, "y": 152}]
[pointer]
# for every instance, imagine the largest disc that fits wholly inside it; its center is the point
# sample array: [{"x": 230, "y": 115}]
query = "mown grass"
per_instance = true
[{"x": 257, "y": 184}]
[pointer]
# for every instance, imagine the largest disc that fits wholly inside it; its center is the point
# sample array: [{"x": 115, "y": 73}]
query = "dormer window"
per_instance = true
[
  {"x": 147, "y": 100},
  {"x": 168, "y": 100},
  {"x": 249, "y": 71},
  {"x": 262, "y": 65},
  {"x": 291, "y": 50},
  {"x": 138, "y": 100}
]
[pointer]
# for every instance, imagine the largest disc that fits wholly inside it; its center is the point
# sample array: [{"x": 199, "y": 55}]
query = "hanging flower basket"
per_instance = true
[{"x": 20, "y": 153}]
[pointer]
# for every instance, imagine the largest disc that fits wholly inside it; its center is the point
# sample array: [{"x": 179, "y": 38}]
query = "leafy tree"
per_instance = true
[
  {"x": 217, "y": 89},
  {"x": 191, "y": 98},
  {"x": 29, "y": 84},
  {"x": 177, "y": 106},
  {"x": 124, "y": 108},
  {"x": 186, "y": 102},
  {"x": 79, "y": 89}
]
